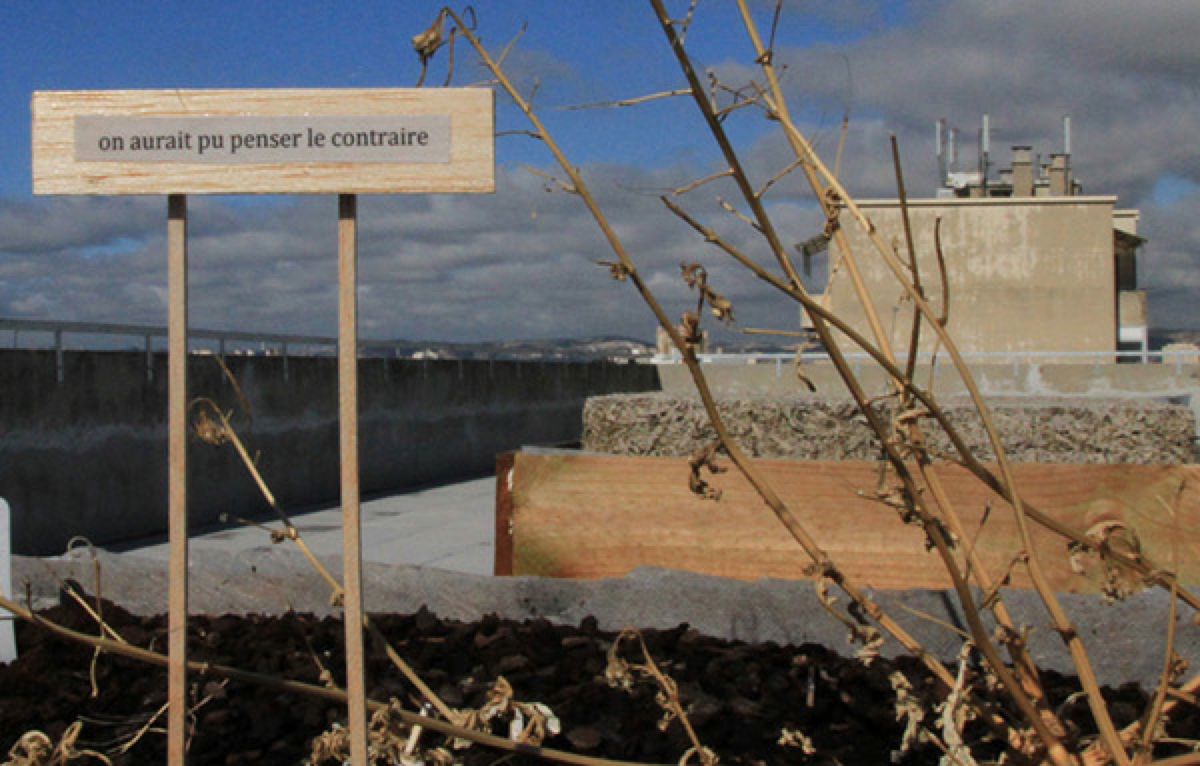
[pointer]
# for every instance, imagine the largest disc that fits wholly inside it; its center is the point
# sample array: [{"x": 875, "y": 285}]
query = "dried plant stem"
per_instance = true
[
  {"x": 1057, "y": 751},
  {"x": 979, "y": 633},
  {"x": 309, "y": 690},
  {"x": 1024, "y": 667},
  {"x": 753, "y": 476},
  {"x": 1032, "y": 710},
  {"x": 625, "y": 102},
  {"x": 914, "y": 341},
  {"x": 291, "y": 533},
  {"x": 670, "y": 693},
  {"x": 1062, "y": 623},
  {"x": 1143, "y": 569},
  {"x": 1154, "y": 713},
  {"x": 707, "y": 179}
]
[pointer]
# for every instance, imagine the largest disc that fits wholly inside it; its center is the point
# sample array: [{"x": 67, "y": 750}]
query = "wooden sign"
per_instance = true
[{"x": 335, "y": 141}]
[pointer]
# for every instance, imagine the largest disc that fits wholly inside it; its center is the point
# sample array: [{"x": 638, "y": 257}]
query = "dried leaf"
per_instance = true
[
  {"x": 909, "y": 709},
  {"x": 689, "y": 328},
  {"x": 793, "y": 738},
  {"x": 209, "y": 430},
  {"x": 721, "y": 307},
  {"x": 693, "y": 274},
  {"x": 860, "y": 631},
  {"x": 427, "y": 43},
  {"x": 528, "y": 723},
  {"x": 1115, "y": 582},
  {"x": 616, "y": 269},
  {"x": 705, "y": 457},
  {"x": 617, "y": 673}
]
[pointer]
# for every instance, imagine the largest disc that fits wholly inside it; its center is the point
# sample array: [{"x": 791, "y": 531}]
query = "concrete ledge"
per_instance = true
[
  {"x": 1124, "y": 639},
  {"x": 1016, "y": 378}
]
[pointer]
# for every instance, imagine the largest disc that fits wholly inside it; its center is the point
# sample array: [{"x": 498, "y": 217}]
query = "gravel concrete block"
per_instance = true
[{"x": 1043, "y": 430}]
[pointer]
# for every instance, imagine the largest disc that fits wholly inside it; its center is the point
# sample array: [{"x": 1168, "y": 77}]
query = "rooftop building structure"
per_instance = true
[{"x": 1031, "y": 263}]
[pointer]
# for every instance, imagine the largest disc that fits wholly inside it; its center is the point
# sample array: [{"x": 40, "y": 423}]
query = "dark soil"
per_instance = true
[{"x": 740, "y": 696}]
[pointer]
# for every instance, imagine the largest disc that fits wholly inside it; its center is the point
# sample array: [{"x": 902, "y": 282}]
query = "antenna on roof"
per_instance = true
[
  {"x": 985, "y": 141},
  {"x": 939, "y": 139}
]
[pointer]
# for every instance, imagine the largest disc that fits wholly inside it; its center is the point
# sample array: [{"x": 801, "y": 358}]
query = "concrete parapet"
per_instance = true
[
  {"x": 1017, "y": 377},
  {"x": 1142, "y": 431},
  {"x": 783, "y": 611},
  {"x": 88, "y": 456}
]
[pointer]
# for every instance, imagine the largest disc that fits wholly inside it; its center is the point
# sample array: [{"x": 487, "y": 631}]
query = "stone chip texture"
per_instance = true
[{"x": 1066, "y": 430}]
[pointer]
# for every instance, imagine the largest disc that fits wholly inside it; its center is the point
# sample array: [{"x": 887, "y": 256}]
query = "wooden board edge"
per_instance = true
[{"x": 503, "y": 562}]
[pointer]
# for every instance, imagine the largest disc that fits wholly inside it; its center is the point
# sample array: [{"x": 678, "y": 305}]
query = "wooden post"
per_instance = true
[
  {"x": 177, "y": 321},
  {"x": 8, "y": 641},
  {"x": 351, "y": 522}
]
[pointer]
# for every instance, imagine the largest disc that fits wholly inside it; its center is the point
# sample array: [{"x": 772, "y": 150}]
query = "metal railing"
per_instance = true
[
  {"x": 225, "y": 341},
  {"x": 1016, "y": 358}
]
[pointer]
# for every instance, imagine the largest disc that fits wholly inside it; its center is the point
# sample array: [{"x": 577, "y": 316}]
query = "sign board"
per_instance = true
[{"x": 278, "y": 141}]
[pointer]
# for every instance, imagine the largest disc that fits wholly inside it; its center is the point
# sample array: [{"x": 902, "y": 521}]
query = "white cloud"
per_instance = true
[{"x": 520, "y": 263}]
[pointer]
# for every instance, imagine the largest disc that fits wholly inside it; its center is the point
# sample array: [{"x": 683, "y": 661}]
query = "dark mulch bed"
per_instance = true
[{"x": 741, "y": 696}]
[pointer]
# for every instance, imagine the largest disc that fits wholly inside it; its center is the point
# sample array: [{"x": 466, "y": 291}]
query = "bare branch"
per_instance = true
[
  {"x": 685, "y": 23},
  {"x": 569, "y": 188},
  {"x": 1154, "y": 714},
  {"x": 776, "y": 178},
  {"x": 784, "y": 333},
  {"x": 526, "y": 133},
  {"x": 740, "y": 215},
  {"x": 504, "y": 53},
  {"x": 626, "y": 102},
  {"x": 697, "y": 184}
]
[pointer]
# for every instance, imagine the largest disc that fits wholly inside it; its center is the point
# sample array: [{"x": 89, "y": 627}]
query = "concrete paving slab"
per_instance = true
[{"x": 447, "y": 527}]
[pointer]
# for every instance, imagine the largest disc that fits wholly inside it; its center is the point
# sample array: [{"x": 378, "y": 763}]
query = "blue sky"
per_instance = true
[
  {"x": 127, "y": 45},
  {"x": 518, "y": 263}
]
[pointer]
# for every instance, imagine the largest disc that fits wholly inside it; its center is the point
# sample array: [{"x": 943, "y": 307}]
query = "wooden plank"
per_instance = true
[
  {"x": 504, "y": 514},
  {"x": 177, "y": 432},
  {"x": 352, "y": 607},
  {"x": 69, "y": 133},
  {"x": 588, "y": 516}
]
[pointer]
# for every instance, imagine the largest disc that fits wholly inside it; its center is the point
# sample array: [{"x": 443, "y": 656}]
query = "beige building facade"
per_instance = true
[{"x": 1024, "y": 274}]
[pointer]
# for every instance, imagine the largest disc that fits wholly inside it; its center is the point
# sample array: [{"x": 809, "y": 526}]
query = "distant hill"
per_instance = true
[{"x": 555, "y": 349}]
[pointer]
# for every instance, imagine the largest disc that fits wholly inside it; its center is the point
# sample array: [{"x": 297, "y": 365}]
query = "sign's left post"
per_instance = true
[{"x": 177, "y": 348}]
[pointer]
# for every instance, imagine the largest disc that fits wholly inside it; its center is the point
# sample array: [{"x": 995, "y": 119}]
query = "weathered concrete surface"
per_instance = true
[
  {"x": 270, "y": 580},
  {"x": 1022, "y": 376},
  {"x": 88, "y": 456},
  {"x": 1142, "y": 431},
  {"x": 1022, "y": 273}
]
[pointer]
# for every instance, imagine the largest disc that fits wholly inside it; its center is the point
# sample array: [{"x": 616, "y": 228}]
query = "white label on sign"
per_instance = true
[{"x": 263, "y": 140}]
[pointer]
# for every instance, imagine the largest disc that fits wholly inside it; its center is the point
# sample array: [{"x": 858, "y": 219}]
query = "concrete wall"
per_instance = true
[
  {"x": 88, "y": 456},
  {"x": 1033, "y": 274},
  {"x": 1017, "y": 377}
]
